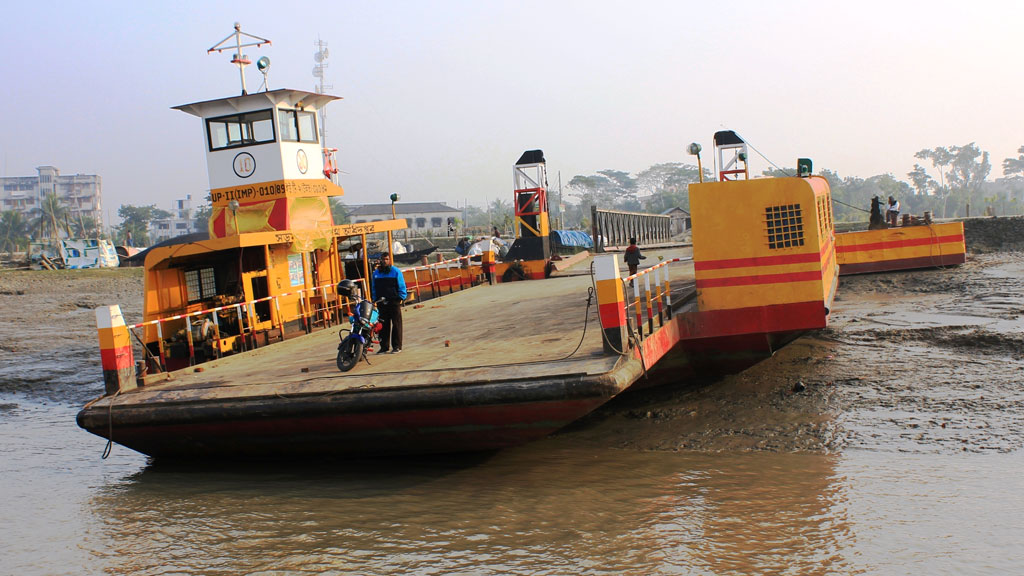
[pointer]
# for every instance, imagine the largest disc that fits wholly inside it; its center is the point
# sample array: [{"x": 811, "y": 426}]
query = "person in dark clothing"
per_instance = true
[
  {"x": 389, "y": 285},
  {"x": 876, "y": 222},
  {"x": 633, "y": 256}
]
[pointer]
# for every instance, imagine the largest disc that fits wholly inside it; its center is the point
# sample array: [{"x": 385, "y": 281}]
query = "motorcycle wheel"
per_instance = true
[{"x": 349, "y": 354}]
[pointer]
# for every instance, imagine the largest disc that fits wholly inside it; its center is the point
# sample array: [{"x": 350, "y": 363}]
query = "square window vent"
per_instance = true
[{"x": 785, "y": 225}]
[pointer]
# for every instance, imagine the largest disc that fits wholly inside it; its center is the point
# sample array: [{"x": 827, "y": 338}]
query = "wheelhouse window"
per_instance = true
[
  {"x": 240, "y": 130},
  {"x": 297, "y": 125},
  {"x": 201, "y": 284}
]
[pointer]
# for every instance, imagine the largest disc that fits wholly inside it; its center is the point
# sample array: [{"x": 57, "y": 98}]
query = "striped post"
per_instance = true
[
  {"x": 115, "y": 350},
  {"x": 659, "y": 296},
  {"x": 650, "y": 310},
  {"x": 191, "y": 343},
  {"x": 637, "y": 308},
  {"x": 216, "y": 333},
  {"x": 241, "y": 327},
  {"x": 160, "y": 346},
  {"x": 280, "y": 318},
  {"x": 611, "y": 302},
  {"x": 488, "y": 263},
  {"x": 668, "y": 294}
]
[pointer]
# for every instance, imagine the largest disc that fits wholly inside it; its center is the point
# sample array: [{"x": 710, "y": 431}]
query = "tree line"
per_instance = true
[
  {"x": 954, "y": 184},
  {"x": 949, "y": 181}
]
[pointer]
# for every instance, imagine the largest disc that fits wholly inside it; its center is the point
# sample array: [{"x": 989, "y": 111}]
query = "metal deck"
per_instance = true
[{"x": 519, "y": 331}]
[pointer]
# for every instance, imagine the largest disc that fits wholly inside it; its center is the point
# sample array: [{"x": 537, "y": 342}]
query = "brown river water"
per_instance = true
[{"x": 900, "y": 453}]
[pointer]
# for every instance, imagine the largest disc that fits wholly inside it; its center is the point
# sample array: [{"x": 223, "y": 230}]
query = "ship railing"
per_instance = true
[
  {"x": 309, "y": 312},
  {"x": 437, "y": 275},
  {"x": 652, "y": 292}
]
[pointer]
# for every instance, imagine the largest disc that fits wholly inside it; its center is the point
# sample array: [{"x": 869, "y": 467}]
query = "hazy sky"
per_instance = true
[{"x": 441, "y": 98}]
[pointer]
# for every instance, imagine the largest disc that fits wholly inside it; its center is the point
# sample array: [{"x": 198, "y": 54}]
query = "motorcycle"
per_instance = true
[{"x": 364, "y": 327}]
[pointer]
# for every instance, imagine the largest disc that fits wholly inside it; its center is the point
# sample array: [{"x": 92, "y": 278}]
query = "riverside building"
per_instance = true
[{"x": 81, "y": 194}]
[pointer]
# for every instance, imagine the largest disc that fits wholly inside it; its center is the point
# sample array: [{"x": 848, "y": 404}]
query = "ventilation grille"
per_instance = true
[{"x": 785, "y": 226}]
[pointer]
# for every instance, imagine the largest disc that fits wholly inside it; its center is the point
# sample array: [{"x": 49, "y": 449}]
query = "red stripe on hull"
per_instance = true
[
  {"x": 725, "y": 341},
  {"x": 802, "y": 258},
  {"x": 902, "y": 264},
  {"x": 754, "y": 320},
  {"x": 909, "y": 243},
  {"x": 813, "y": 275}
]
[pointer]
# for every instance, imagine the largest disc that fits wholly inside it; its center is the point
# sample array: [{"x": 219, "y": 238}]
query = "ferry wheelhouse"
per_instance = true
[{"x": 268, "y": 264}]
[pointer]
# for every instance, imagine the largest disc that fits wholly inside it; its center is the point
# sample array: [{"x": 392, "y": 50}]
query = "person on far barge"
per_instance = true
[
  {"x": 633, "y": 256},
  {"x": 389, "y": 284},
  {"x": 892, "y": 213}
]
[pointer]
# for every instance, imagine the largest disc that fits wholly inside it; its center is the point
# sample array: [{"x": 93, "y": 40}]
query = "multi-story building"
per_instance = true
[
  {"x": 181, "y": 222},
  {"x": 81, "y": 194},
  {"x": 420, "y": 217}
]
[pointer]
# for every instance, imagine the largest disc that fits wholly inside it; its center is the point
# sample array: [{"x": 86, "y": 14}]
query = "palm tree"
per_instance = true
[
  {"x": 49, "y": 214},
  {"x": 13, "y": 231},
  {"x": 1013, "y": 166},
  {"x": 86, "y": 227}
]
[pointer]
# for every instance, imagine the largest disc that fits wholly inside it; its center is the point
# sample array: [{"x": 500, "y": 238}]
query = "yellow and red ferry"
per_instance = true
[
  {"x": 906, "y": 247},
  {"x": 234, "y": 357}
]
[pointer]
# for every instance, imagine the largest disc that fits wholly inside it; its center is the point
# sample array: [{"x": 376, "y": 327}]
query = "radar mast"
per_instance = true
[{"x": 239, "y": 59}]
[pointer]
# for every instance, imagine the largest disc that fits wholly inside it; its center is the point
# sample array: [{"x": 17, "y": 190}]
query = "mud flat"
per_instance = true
[{"x": 48, "y": 341}]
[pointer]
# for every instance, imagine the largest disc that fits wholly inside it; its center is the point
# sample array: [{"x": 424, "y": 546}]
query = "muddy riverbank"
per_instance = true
[{"x": 48, "y": 341}]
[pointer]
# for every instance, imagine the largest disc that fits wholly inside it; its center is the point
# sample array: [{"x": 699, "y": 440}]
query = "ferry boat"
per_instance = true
[
  {"x": 917, "y": 243},
  {"x": 235, "y": 355}
]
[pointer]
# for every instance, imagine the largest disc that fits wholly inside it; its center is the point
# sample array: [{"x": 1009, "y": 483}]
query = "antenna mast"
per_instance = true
[
  {"x": 320, "y": 57},
  {"x": 239, "y": 59}
]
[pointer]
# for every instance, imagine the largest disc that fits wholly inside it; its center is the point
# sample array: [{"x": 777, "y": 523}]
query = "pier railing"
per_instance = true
[
  {"x": 651, "y": 291},
  {"x": 441, "y": 275}
]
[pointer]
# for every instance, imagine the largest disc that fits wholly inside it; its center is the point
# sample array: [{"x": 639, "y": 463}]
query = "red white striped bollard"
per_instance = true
[
  {"x": 611, "y": 302},
  {"x": 115, "y": 350}
]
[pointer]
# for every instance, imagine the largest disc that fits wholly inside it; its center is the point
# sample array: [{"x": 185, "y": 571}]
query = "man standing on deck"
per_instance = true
[
  {"x": 389, "y": 284},
  {"x": 633, "y": 256}
]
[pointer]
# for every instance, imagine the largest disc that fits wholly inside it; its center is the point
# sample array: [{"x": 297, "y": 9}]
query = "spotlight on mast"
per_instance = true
[{"x": 238, "y": 58}]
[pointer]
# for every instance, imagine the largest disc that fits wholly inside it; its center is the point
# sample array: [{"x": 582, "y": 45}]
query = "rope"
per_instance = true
[
  {"x": 110, "y": 427},
  {"x": 777, "y": 167},
  {"x": 850, "y": 205}
]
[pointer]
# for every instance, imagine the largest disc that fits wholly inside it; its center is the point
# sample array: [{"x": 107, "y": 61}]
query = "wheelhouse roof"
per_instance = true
[{"x": 294, "y": 98}]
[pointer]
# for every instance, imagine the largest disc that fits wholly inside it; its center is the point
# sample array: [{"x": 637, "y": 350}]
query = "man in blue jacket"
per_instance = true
[{"x": 389, "y": 284}]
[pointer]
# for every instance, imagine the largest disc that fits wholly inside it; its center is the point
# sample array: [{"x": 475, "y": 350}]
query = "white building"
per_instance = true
[
  {"x": 81, "y": 194},
  {"x": 181, "y": 222},
  {"x": 420, "y": 217}
]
